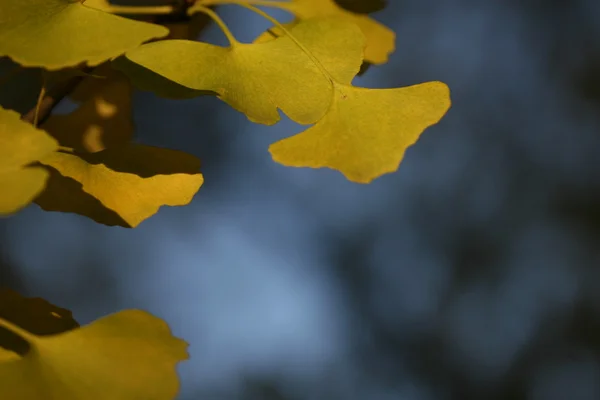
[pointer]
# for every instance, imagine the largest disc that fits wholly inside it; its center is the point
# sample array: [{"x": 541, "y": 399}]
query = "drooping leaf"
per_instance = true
[
  {"x": 257, "y": 79},
  {"x": 127, "y": 355},
  {"x": 33, "y": 314},
  {"x": 122, "y": 185},
  {"x": 380, "y": 39},
  {"x": 366, "y": 131},
  {"x": 20, "y": 145},
  {"x": 60, "y": 33},
  {"x": 103, "y": 118}
]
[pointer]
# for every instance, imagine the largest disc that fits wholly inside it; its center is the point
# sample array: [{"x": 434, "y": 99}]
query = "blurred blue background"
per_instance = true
[{"x": 471, "y": 273}]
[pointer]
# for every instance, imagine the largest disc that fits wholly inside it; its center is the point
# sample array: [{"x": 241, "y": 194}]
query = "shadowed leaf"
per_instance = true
[{"x": 127, "y": 184}]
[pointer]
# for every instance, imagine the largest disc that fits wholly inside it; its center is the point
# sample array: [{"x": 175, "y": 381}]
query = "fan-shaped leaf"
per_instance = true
[
  {"x": 256, "y": 79},
  {"x": 59, "y": 33},
  {"x": 104, "y": 117},
  {"x": 122, "y": 185},
  {"x": 366, "y": 131},
  {"x": 124, "y": 356},
  {"x": 380, "y": 39}
]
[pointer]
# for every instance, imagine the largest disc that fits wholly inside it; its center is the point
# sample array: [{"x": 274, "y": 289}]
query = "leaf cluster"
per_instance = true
[{"x": 87, "y": 162}]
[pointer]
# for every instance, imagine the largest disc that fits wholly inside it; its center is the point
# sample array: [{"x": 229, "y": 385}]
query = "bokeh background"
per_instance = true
[{"x": 471, "y": 273}]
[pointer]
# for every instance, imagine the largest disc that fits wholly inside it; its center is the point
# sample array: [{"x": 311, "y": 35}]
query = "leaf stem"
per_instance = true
[
  {"x": 213, "y": 15},
  {"x": 30, "y": 338},
  {"x": 39, "y": 100},
  {"x": 263, "y": 14},
  {"x": 138, "y": 10}
]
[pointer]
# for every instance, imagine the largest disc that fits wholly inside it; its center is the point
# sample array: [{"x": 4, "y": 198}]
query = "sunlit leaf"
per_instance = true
[
  {"x": 380, "y": 39},
  {"x": 127, "y": 355},
  {"x": 20, "y": 145},
  {"x": 366, "y": 131},
  {"x": 256, "y": 79},
  {"x": 59, "y": 33},
  {"x": 121, "y": 186}
]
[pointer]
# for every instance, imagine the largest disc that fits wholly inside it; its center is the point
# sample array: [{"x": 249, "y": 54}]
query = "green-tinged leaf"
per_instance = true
[
  {"x": 257, "y": 79},
  {"x": 380, "y": 40},
  {"x": 20, "y": 145},
  {"x": 127, "y": 355},
  {"x": 122, "y": 185},
  {"x": 366, "y": 132},
  {"x": 20, "y": 87},
  {"x": 60, "y": 33}
]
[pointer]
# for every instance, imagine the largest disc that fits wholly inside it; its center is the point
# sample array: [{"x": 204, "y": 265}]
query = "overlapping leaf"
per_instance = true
[
  {"x": 380, "y": 40},
  {"x": 127, "y": 355},
  {"x": 366, "y": 131},
  {"x": 20, "y": 145},
  {"x": 121, "y": 186},
  {"x": 256, "y": 79},
  {"x": 59, "y": 33}
]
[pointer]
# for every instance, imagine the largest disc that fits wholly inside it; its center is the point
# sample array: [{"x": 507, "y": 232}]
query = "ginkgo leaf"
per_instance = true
[
  {"x": 35, "y": 315},
  {"x": 366, "y": 132},
  {"x": 127, "y": 355},
  {"x": 104, "y": 117},
  {"x": 59, "y": 33},
  {"x": 121, "y": 186},
  {"x": 256, "y": 79},
  {"x": 380, "y": 40},
  {"x": 20, "y": 145}
]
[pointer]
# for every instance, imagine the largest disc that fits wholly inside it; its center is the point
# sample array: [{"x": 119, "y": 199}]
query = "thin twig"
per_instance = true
[{"x": 53, "y": 97}]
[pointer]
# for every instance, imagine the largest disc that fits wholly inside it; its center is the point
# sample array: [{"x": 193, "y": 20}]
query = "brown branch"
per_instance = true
[{"x": 57, "y": 93}]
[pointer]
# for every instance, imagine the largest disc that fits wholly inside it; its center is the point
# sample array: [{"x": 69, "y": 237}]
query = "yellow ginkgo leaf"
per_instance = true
[
  {"x": 104, "y": 117},
  {"x": 366, "y": 131},
  {"x": 20, "y": 145},
  {"x": 120, "y": 185},
  {"x": 257, "y": 79},
  {"x": 380, "y": 40},
  {"x": 127, "y": 355},
  {"x": 59, "y": 33}
]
